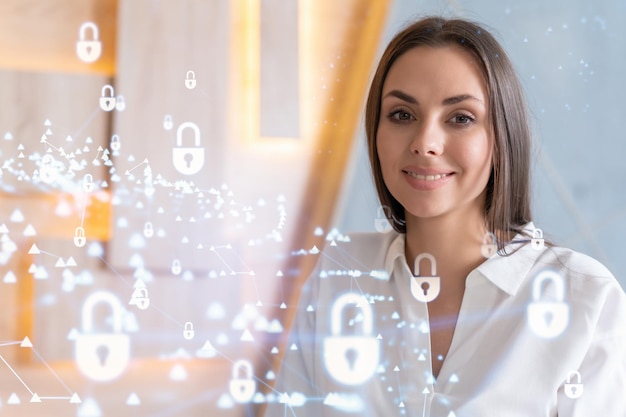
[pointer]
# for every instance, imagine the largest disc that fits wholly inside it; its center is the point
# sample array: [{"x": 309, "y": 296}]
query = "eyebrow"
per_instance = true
[{"x": 446, "y": 102}]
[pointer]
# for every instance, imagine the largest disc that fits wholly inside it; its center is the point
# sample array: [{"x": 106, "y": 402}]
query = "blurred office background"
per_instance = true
[{"x": 264, "y": 100}]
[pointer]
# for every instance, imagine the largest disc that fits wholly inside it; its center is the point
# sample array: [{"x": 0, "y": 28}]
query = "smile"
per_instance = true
[{"x": 427, "y": 177}]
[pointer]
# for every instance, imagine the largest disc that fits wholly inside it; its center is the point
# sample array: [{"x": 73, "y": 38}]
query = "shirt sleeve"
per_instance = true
[{"x": 603, "y": 368}]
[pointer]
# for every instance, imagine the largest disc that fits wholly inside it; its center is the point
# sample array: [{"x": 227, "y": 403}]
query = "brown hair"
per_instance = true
[{"x": 507, "y": 206}]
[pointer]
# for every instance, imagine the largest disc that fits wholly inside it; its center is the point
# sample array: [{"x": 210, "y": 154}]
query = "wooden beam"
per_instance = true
[
  {"x": 40, "y": 35},
  {"x": 347, "y": 83}
]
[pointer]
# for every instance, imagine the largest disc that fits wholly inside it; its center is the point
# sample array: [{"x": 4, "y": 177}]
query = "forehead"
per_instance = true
[{"x": 443, "y": 71}]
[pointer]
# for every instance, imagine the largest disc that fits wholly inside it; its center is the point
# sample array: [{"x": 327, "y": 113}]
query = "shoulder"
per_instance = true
[
  {"x": 590, "y": 287},
  {"x": 581, "y": 272}
]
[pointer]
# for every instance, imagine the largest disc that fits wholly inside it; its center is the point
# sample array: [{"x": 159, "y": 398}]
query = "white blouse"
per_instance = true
[{"x": 540, "y": 332}]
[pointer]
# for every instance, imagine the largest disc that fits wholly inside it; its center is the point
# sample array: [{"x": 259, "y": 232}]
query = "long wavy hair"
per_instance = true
[{"x": 507, "y": 206}]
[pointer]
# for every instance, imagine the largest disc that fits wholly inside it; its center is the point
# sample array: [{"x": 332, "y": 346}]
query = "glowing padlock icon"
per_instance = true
[
  {"x": 47, "y": 172},
  {"x": 425, "y": 288},
  {"x": 381, "y": 223},
  {"x": 537, "y": 241},
  {"x": 242, "y": 389},
  {"x": 148, "y": 229},
  {"x": 88, "y": 50},
  {"x": 120, "y": 103},
  {"x": 176, "y": 267},
  {"x": 489, "y": 246},
  {"x": 548, "y": 318},
  {"x": 168, "y": 123},
  {"x": 102, "y": 356},
  {"x": 190, "y": 80},
  {"x": 79, "y": 237},
  {"x": 351, "y": 359},
  {"x": 88, "y": 184},
  {"x": 573, "y": 390},
  {"x": 115, "y": 143},
  {"x": 140, "y": 298},
  {"x": 107, "y": 98},
  {"x": 188, "y": 332},
  {"x": 188, "y": 161}
]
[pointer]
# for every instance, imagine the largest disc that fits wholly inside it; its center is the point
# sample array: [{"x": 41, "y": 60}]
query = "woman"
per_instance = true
[{"x": 429, "y": 320}]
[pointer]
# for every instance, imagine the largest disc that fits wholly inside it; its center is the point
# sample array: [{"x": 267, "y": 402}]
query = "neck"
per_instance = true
[{"x": 454, "y": 240}]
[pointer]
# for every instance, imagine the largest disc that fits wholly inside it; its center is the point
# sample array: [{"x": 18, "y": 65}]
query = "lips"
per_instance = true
[
  {"x": 427, "y": 179},
  {"x": 434, "y": 177}
]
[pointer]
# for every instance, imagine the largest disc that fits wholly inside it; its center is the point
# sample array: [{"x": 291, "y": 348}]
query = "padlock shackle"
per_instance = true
[
  {"x": 182, "y": 127},
  {"x": 577, "y": 374},
  {"x": 109, "y": 88},
  {"x": 242, "y": 363},
  {"x": 83, "y": 29},
  {"x": 192, "y": 73},
  {"x": 433, "y": 264},
  {"x": 79, "y": 231},
  {"x": 341, "y": 302},
  {"x": 141, "y": 292},
  {"x": 188, "y": 325},
  {"x": 383, "y": 210},
  {"x": 553, "y": 276},
  {"x": 537, "y": 233},
  {"x": 102, "y": 297},
  {"x": 489, "y": 238}
]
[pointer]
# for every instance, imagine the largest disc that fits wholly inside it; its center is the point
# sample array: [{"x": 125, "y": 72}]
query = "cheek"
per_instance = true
[{"x": 477, "y": 157}]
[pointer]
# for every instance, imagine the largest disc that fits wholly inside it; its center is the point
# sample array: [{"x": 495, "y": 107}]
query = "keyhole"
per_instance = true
[
  {"x": 548, "y": 317},
  {"x": 351, "y": 356},
  {"x": 573, "y": 390},
  {"x": 188, "y": 159},
  {"x": 103, "y": 354},
  {"x": 425, "y": 286},
  {"x": 89, "y": 49}
]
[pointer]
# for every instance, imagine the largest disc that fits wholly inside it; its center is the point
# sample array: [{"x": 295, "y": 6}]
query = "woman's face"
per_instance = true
[{"x": 434, "y": 140}]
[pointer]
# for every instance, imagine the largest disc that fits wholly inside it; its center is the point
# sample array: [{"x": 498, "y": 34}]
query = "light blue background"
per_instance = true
[{"x": 571, "y": 58}]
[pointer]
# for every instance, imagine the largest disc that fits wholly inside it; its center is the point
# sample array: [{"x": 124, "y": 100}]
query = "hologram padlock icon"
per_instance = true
[
  {"x": 242, "y": 388},
  {"x": 381, "y": 223},
  {"x": 351, "y": 359},
  {"x": 120, "y": 103},
  {"x": 176, "y": 267},
  {"x": 188, "y": 161},
  {"x": 107, "y": 98},
  {"x": 425, "y": 288},
  {"x": 140, "y": 298},
  {"x": 490, "y": 245},
  {"x": 115, "y": 143},
  {"x": 168, "y": 123},
  {"x": 573, "y": 390},
  {"x": 548, "y": 318},
  {"x": 102, "y": 356},
  {"x": 148, "y": 229},
  {"x": 79, "y": 237},
  {"x": 190, "y": 80},
  {"x": 537, "y": 241},
  {"x": 88, "y": 50},
  {"x": 88, "y": 184},
  {"x": 188, "y": 332},
  {"x": 47, "y": 172}
]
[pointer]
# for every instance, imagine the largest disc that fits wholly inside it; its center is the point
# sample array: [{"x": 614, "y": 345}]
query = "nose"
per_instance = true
[{"x": 428, "y": 139}]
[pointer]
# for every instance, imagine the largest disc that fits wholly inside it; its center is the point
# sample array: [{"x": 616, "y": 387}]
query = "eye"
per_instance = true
[
  {"x": 400, "y": 116},
  {"x": 462, "y": 119}
]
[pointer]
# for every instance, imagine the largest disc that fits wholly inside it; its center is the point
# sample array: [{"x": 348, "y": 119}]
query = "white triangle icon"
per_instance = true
[
  {"x": 14, "y": 399},
  {"x": 26, "y": 343}
]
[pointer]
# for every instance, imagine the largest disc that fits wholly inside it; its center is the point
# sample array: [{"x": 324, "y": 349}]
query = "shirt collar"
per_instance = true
[{"x": 506, "y": 272}]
